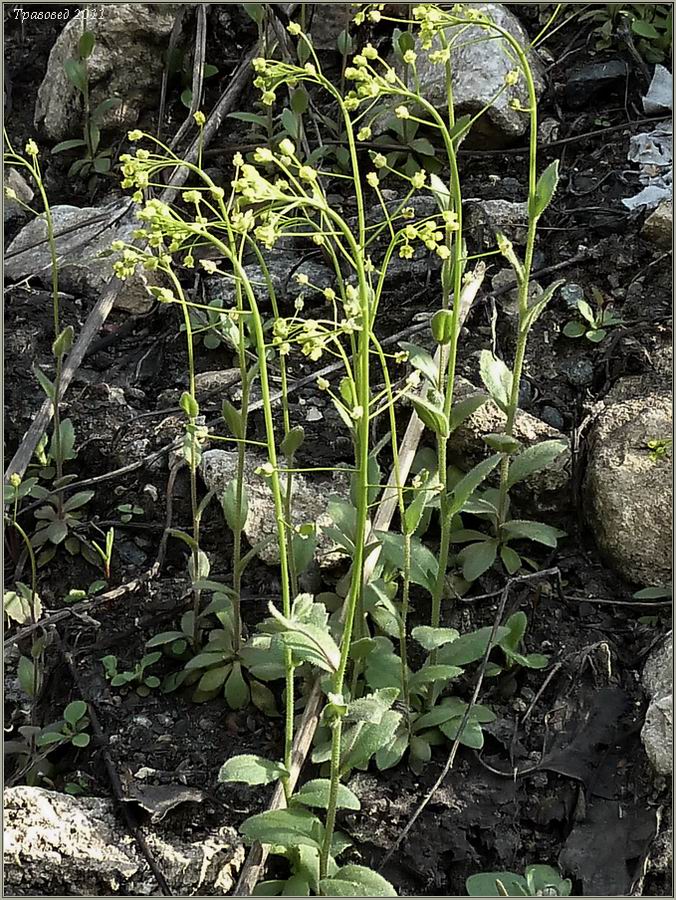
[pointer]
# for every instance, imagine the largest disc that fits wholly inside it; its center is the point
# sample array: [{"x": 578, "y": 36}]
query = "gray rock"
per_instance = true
[
  {"x": 629, "y": 496},
  {"x": 586, "y": 82},
  {"x": 327, "y": 22},
  {"x": 546, "y": 488},
  {"x": 509, "y": 300},
  {"x": 658, "y": 734},
  {"x": 215, "y": 385},
  {"x": 552, "y": 417},
  {"x": 484, "y": 218},
  {"x": 12, "y": 210},
  {"x": 658, "y": 672},
  {"x": 283, "y": 270},
  {"x": 548, "y": 130},
  {"x": 87, "y": 233},
  {"x": 479, "y": 69},
  {"x": 310, "y": 498},
  {"x": 126, "y": 62},
  {"x": 571, "y": 293},
  {"x": 57, "y": 844},
  {"x": 658, "y": 730},
  {"x": 658, "y": 227},
  {"x": 579, "y": 372}
]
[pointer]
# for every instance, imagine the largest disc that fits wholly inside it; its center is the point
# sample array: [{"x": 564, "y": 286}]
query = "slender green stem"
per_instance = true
[{"x": 192, "y": 463}]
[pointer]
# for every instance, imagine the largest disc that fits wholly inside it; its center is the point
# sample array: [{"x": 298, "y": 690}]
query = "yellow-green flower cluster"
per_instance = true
[
  {"x": 371, "y": 12},
  {"x": 433, "y": 19},
  {"x": 431, "y": 234}
]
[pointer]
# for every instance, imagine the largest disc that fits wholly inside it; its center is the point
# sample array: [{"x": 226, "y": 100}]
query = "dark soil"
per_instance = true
[{"x": 563, "y": 776}]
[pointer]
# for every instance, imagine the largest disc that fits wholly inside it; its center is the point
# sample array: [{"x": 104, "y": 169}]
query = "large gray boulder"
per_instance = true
[
  {"x": 479, "y": 69},
  {"x": 126, "y": 62},
  {"x": 629, "y": 492},
  {"x": 55, "y": 845},
  {"x": 83, "y": 235},
  {"x": 658, "y": 730}
]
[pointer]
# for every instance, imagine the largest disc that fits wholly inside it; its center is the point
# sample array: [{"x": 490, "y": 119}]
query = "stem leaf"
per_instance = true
[
  {"x": 497, "y": 378},
  {"x": 316, "y": 793}
]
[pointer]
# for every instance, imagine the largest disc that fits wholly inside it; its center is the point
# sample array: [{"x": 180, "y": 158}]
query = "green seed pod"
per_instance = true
[
  {"x": 63, "y": 341},
  {"x": 189, "y": 405},
  {"x": 442, "y": 326}
]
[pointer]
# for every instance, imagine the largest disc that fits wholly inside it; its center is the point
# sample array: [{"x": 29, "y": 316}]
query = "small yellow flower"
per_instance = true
[
  {"x": 301, "y": 278},
  {"x": 117, "y": 246},
  {"x": 374, "y": 16},
  {"x": 199, "y": 118},
  {"x": 418, "y": 180},
  {"x": 402, "y": 113},
  {"x": 379, "y": 160},
  {"x": 238, "y": 160},
  {"x": 268, "y": 98},
  {"x": 329, "y": 294},
  {"x": 263, "y": 155},
  {"x": 322, "y": 384},
  {"x": 364, "y": 134},
  {"x": 310, "y": 69},
  {"x": 209, "y": 266},
  {"x": 410, "y": 57},
  {"x": 32, "y": 148},
  {"x": 512, "y": 77},
  {"x": 287, "y": 147},
  {"x": 10, "y": 193},
  {"x": 135, "y": 135},
  {"x": 307, "y": 173},
  {"x": 266, "y": 470},
  {"x": 372, "y": 179},
  {"x": 357, "y": 413},
  {"x": 15, "y": 478},
  {"x": 443, "y": 252},
  {"x": 294, "y": 28}
]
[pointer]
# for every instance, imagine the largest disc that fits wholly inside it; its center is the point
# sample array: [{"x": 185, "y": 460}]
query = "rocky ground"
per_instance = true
[{"x": 576, "y": 770}]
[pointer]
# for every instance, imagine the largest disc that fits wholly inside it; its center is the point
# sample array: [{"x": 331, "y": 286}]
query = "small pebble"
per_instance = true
[
  {"x": 313, "y": 415},
  {"x": 551, "y": 416},
  {"x": 580, "y": 372},
  {"x": 570, "y": 294}
]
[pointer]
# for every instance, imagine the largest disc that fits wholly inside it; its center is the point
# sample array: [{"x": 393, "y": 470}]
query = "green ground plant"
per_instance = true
[
  {"x": 593, "y": 322},
  {"x": 96, "y": 160},
  {"x": 651, "y": 25},
  {"x": 538, "y": 881}
]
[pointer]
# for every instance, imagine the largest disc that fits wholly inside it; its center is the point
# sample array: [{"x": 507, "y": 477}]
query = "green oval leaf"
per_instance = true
[
  {"x": 74, "y": 712},
  {"x": 251, "y": 769}
]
